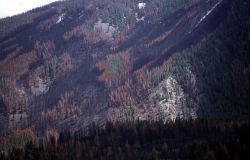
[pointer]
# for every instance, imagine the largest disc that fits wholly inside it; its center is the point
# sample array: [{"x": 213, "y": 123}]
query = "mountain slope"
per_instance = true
[{"x": 72, "y": 63}]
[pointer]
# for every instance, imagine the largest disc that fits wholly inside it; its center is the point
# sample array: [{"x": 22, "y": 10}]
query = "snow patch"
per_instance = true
[
  {"x": 60, "y": 18},
  {"x": 141, "y": 5},
  {"x": 81, "y": 14},
  {"x": 209, "y": 12},
  {"x": 139, "y": 19}
]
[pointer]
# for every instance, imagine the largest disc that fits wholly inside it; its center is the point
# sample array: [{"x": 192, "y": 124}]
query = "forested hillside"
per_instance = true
[
  {"x": 193, "y": 139},
  {"x": 74, "y": 63}
]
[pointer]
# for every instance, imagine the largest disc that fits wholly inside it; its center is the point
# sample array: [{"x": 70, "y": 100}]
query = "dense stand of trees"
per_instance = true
[
  {"x": 215, "y": 73},
  {"x": 192, "y": 139}
]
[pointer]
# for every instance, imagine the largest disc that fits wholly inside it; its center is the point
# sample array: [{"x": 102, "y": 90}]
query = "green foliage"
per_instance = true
[
  {"x": 158, "y": 76},
  {"x": 52, "y": 66},
  {"x": 15, "y": 142},
  {"x": 116, "y": 65},
  {"x": 146, "y": 140},
  {"x": 218, "y": 63},
  {"x": 128, "y": 114}
]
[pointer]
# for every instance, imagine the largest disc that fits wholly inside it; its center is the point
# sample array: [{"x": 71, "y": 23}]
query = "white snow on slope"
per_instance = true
[
  {"x": 208, "y": 12},
  {"x": 141, "y": 5},
  {"x": 60, "y": 19},
  {"x": 81, "y": 14},
  {"x": 139, "y": 19}
]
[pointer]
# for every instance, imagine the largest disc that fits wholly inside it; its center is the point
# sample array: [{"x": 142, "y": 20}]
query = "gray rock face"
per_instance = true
[
  {"x": 171, "y": 101},
  {"x": 105, "y": 28},
  {"x": 41, "y": 86}
]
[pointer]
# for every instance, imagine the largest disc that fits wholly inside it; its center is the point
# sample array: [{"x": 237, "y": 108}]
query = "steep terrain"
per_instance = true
[{"x": 72, "y": 63}]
